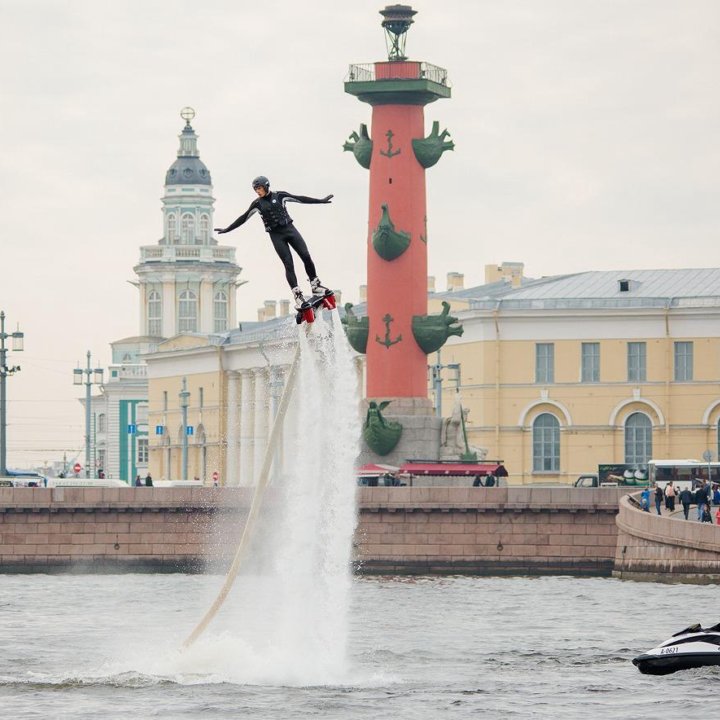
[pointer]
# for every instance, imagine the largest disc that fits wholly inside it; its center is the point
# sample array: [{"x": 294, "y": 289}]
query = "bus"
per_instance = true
[{"x": 683, "y": 472}]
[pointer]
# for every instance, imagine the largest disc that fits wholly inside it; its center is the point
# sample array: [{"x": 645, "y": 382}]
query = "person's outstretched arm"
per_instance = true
[
  {"x": 248, "y": 213},
  {"x": 290, "y": 197}
]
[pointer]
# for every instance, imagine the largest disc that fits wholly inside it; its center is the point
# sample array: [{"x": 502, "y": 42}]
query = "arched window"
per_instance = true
[
  {"x": 187, "y": 229},
  {"x": 546, "y": 443},
  {"x": 220, "y": 310},
  {"x": 638, "y": 439},
  {"x": 154, "y": 314},
  {"x": 187, "y": 312},
  {"x": 171, "y": 228},
  {"x": 204, "y": 228},
  {"x": 101, "y": 424}
]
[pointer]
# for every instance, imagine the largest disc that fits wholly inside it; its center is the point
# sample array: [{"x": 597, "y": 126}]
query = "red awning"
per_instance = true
[
  {"x": 454, "y": 469},
  {"x": 376, "y": 469}
]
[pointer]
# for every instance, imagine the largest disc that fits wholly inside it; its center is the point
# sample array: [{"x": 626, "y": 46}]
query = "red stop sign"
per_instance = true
[
  {"x": 77, "y": 467},
  {"x": 215, "y": 475}
]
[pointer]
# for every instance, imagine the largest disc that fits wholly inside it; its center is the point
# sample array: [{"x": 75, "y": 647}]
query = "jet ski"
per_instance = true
[{"x": 690, "y": 648}]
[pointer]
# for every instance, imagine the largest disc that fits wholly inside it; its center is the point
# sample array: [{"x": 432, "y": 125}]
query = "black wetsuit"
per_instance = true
[{"x": 283, "y": 233}]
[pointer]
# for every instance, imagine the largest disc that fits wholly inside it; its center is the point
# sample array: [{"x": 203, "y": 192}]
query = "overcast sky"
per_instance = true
[{"x": 585, "y": 131}]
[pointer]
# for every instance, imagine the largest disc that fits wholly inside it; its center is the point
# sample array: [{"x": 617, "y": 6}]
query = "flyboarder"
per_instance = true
[{"x": 284, "y": 235}]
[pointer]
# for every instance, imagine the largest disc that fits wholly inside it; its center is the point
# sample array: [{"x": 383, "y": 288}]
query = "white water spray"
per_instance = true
[{"x": 286, "y": 620}]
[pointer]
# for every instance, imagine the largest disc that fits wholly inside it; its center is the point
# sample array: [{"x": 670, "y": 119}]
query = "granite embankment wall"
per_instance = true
[
  {"x": 400, "y": 530},
  {"x": 665, "y": 549},
  {"x": 116, "y": 529},
  {"x": 491, "y": 531}
]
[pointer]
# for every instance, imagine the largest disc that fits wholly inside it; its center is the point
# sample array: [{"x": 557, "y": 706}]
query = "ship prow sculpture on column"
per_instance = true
[{"x": 398, "y": 333}]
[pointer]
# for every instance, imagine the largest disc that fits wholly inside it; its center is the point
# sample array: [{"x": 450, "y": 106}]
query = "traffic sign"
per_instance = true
[
  {"x": 159, "y": 429},
  {"x": 190, "y": 430},
  {"x": 215, "y": 475},
  {"x": 77, "y": 467},
  {"x": 132, "y": 429}
]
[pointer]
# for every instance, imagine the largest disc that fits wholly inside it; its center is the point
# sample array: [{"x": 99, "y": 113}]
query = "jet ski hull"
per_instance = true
[
  {"x": 690, "y": 648},
  {"x": 666, "y": 664}
]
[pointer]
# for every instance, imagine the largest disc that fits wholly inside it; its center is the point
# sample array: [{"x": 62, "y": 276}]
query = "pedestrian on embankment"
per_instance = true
[
  {"x": 658, "y": 499},
  {"x": 686, "y": 498},
  {"x": 670, "y": 496}
]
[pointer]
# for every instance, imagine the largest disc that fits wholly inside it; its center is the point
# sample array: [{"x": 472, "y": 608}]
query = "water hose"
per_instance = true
[{"x": 255, "y": 505}]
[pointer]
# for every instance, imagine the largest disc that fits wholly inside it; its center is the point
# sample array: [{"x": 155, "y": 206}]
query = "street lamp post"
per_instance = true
[
  {"x": 437, "y": 381},
  {"x": 92, "y": 377},
  {"x": 184, "y": 396},
  {"x": 18, "y": 339}
]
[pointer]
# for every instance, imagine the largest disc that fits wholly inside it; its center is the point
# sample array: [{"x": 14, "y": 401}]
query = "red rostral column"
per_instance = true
[{"x": 397, "y": 153}]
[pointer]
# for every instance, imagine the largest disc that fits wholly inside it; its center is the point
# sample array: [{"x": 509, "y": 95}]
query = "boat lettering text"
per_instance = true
[{"x": 668, "y": 651}]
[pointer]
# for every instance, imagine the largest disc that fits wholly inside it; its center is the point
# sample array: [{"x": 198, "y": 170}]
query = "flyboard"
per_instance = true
[
  {"x": 328, "y": 301},
  {"x": 306, "y": 312}
]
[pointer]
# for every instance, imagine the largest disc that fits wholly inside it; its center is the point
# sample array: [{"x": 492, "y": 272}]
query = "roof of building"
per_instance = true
[
  {"x": 188, "y": 169},
  {"x": 690, "y": 282},
  {"x": 690, "y": 287},
  {"x": 488, "y": 290}
]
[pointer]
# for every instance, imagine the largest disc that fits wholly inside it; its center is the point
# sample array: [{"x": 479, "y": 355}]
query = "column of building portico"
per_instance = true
[
  {"x": 247, "y": 403},
  {"x": 233, "y": 430},
  {"x": 261, "y": 420}
]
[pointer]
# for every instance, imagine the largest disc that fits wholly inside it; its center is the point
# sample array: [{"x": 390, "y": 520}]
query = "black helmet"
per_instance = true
[{"x": 260, "y": 181}]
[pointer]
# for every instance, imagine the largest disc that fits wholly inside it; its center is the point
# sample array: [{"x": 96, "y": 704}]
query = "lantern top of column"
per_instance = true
[
  {"x": 397, "y": 20},
  {"x": 397, "y": 80}
]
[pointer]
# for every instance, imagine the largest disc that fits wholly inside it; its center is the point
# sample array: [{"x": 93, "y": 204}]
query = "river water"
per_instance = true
[{"x": 107, "y": 646}]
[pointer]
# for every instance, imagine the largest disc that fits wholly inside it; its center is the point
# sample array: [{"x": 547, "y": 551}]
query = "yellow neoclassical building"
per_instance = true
[
  {"x": 567, "y": 372},
  {"x": 558, "y": 375}
]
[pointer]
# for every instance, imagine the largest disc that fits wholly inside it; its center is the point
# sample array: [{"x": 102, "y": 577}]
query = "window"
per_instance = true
[
  {"x": 101, "y": 423},
  {"x": 637, "y": 360},
  {"x": 590, "y": 370},
  {"x": 165, "y": 398},
  {"x": 187, "y": 312},
  {"x": 683, "y": 361},
  {"x": 546, "y": 443},
  {"x": 187, "y": 229},
  {"x": 101, "y": 460},
  {"x": 142, "y": 451},
  {"x": 204, "y": 228},
  {"x": 638, "y": 439},
  {"x": 221, "y": 311},
  {"x": 154, "y": 314},
  {"x": 172, "y": 227},
  {"x": 201, "y": 397},
  {"x": 141, "y": 416},
  {"x": 544, "y": 363}
]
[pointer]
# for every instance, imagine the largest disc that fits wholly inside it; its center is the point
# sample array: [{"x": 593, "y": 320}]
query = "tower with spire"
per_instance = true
[
  {"x": 188, "y": 285},
  {"x": 187, "y": 281}
]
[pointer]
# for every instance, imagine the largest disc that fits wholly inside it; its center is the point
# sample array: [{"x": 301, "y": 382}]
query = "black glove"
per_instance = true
[
  {"x": 328, "y": 198},
  {"x": 220, "y": 231}
]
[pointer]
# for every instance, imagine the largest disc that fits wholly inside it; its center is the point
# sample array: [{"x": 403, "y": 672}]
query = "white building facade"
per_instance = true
[{"x": 187, "y": 283}]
